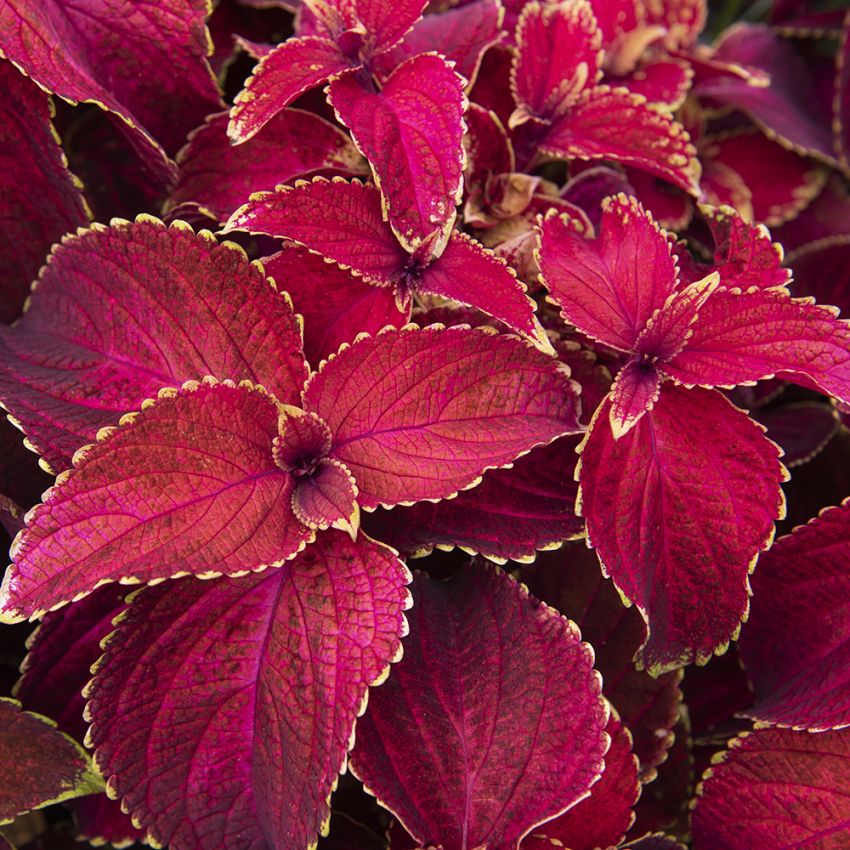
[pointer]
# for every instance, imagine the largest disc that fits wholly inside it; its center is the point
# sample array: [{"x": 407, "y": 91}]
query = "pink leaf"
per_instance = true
[
  {"x": 683, "y": 20},
  {"x": 781, "y": 182},
  {"x": 803, "y": 429},
  {"x": 774, "y": 789},
  {"x": 58, "y": 665},
  {"x": 338, "y": 219},
  {"x": 796, "y": 644},
  {"x": 40, "y": 764},
  {"x": 559, "y": 56},
  {"x": 386, "y": 21},
  {"x": 421, "y": 414},
  {"x": 614, "y": 124},
  {"x": 461, "y": 35},
  {"x": 281, "y": 76},
  {"x": 189, "y": 485},
  {"x": 788, "y": 109},
  {"x": 411, "y": 132},
  {"x": 663, "y": 82},
  {"x": 634, "y": 393},
  {"x": 328, "y": 497},
  {"x": 336, "y": 305},
  {"x": 603, "y": 818},
  {"x": 571, "y": 581},
  {"x": 488, "y": 148},
  {"x": 220, "y": 177},
  {"x": 179, "y": 307},
  {"x": 471, "y": 275},
  {"x": 609, "y": 287},
  {"x": 677, "y": 521},
  {"x": 42, "y": 199},
  {"x": 222, "y": 711},
  {"x": 511, "y": 514},
  {"x": 147, "y": 65},
  {"x": 748, "y": 337},
  {"x": 491, "y": 724}
]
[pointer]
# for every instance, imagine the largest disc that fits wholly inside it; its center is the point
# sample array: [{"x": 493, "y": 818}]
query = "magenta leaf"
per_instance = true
[
  {"x": 571, "y": 581},
  {"x": 663, "y": 82},
  {"x": 788, "y": 108},
  {"x": 41, "y": 765},
  {"x": 62, "y": 651},
  {"x": 147, "y": 65},
  {"x": 475, "y": 277},
  {"x": 386, "y": 21},
  {"x": 465, "y": 401},
  {"x": 42, "y": 199},
  {"x": 609, "y": 287},
  {"x": 280, "y": 77},
  {"x": 328, "y": 497},
  {"x": 748, "y": 337},
  {"x": 803, "y": 429},
  {"x": 491, "y": 724},
  {"x": 77, "y": 361},
  {"x": 338, "y": 219},
  {"x": 129, "y": 510},
  {"x": 635, "y": 391},
  {"x": 511, "y": 514},
  {"x": 558, "y": 56},
  {"x": 411, "y": 132},
  {"x": 336, "y": 304},
  {"x": 775, "y": 788},
  {"x": 796, "y": 641},
  {"x": 460, "y": 34},
  {"x": 603, "y": 818},
  {"x": 612, "y": 123},
  {"x": 220, "y": 177},
  {"x": 677, "y": 522},
  {"x": 263, "y": 676}
]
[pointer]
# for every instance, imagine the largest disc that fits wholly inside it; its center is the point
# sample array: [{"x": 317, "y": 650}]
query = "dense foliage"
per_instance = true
[{"x": 411, "y": 396}]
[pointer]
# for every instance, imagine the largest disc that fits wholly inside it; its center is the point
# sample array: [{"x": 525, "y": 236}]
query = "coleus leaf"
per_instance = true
[
  {"x": 461, "y": 34},
  {"x": 230, "y": 456},
  {"x": 57, "y": 667},
  {"x": 609, "y": 287},
  {"x": 491, "y": 724},
  {"x": 342, "y": 221},
  {"x": 465, "y": 401},
  {"x": 292, "y": 68},
  {"x": 145, "y": 64},
  {"x": 775, "y": 788},
  {"x": 42, "y": 199},
  {"x": 663, "y": 82},
  {"x": 648, "y": 495},
  {"x": 300, "y": 646},
  {"x": 656, "y": 841},
  {"x": 76, "y": 361},
  {"x": 511, "y": 514},
  {"x": 801, "y": 428},
  {"x": 335, "y": 303},
  {"x": 787, "y": 109},
  {"x": 41, "y": 764},
  {"x": 603, "y": 818},
  {"x": 795, "y": 641},
  {"x": 220, "y": 177},
  {"x": 130, "y": 509},
  {"x": 571, "y": 581},
  {"x": 411, "y": 132},
  {"x": 841, "y": 98}
]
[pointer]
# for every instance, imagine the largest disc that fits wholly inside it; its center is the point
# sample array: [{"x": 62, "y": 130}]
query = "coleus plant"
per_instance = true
[{"x": 602, "y": 369}]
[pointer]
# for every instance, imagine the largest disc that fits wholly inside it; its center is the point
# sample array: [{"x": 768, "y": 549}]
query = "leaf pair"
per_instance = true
[
  {"x": 569, "y": 114},
  {"x": 342, "y": 221},
  {"x": 410, "y": 130},
  {"x": 679, "y": 488}
]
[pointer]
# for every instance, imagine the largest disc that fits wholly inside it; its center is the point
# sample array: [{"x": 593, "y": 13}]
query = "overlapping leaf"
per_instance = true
[
  {"x": 40, "y": 764},
  {"x": 264, "y": 676},
  {"x": 440, "y": 744},
  {"x": 774, "y": 788},
  {"x": 795, "y": 644},
  {"x": 41, "y": 198},
  {"x": 179, "y": 307}
]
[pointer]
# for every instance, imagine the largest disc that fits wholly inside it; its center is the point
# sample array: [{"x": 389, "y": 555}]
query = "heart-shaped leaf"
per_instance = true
[
  {"x": 222, "y": 711},
  {"x": 491, "y": 724}
]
